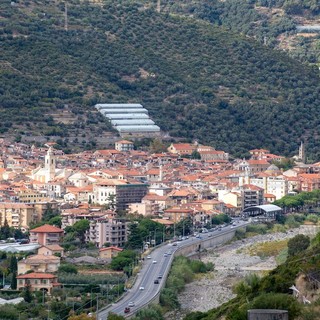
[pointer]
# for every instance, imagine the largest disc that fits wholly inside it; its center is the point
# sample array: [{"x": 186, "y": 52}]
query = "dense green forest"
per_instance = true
[
  {"x": 198, "y": 81},
  {"x": 270, "y": 22}
]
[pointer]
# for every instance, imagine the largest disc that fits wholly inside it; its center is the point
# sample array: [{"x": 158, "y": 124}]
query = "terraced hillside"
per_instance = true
[{"x": 198, "y": 81}]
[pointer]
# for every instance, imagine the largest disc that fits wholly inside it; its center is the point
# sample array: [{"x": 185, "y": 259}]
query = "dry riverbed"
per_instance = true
[{"x": 232, "y": 263}]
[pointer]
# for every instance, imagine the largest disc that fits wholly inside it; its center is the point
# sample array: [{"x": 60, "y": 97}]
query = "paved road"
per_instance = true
[{"x": 157, "y": 265}]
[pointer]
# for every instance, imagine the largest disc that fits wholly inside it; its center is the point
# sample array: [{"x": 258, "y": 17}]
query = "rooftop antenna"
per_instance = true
[
  {"x": 65, "y": 16},
  {"x": 158, "y": 6}
]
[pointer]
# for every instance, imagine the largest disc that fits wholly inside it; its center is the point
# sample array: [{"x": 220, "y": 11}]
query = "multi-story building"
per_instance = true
[
  {"x": 104, "y": 230},
  {"x": 17, "y": 215},
  {"x": 309, "y": 181},
  {"x": 118, "y": 193},
  {"x": 251, "y": 196},
  {"x": 278, "y": 186},
  {"x": 46, "y": 235},
  {"x": 38, "y": 282},
  {"x": 124, "y": 145}
]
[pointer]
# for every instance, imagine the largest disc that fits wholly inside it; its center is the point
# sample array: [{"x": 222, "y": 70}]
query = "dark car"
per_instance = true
[
  {"x": 156, "y": 281},
  {"x": 126, "y": 310}
]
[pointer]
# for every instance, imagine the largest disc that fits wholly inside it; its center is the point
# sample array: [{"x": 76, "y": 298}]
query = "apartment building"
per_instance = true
[
  {"x": 17, "y": 215},
  {"x": 104, "y": 230}
]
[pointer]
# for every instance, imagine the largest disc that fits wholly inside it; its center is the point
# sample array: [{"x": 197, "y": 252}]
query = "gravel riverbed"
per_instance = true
[{"x": 232, "y": 263}]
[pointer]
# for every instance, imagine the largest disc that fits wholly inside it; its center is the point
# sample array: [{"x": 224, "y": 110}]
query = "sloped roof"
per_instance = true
[
  {"x": 47, "y": 228},
  {"x": 37, "y": 275}
]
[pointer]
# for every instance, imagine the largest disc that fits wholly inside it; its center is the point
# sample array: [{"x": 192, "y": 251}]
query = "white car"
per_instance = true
[
  {"x": 148, "y": 257},
  {"x": 154, "y": 261},
  {"x": 131, "y": 304},
  {"x": 141, "y": 288}
]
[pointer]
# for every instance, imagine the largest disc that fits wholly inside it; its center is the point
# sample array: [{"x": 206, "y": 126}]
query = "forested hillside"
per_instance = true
[{"x": 199, "y": 81}]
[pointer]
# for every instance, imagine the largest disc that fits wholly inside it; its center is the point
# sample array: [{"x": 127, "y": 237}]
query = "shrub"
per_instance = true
[
  {"x": 298, "y": 244},
  {"x": 68, "y": 268}
]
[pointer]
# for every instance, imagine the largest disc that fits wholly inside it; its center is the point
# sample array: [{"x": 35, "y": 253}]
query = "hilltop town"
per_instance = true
[
  {"x": 58, "y": 203},
  {"x": 188, "y": 181}
]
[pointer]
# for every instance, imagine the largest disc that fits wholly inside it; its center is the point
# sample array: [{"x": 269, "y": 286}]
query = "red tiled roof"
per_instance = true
[
  {"x": 111, "y": 248},
  {"x": 37, "y": 275},
  {"x": 47, "y": 228}
]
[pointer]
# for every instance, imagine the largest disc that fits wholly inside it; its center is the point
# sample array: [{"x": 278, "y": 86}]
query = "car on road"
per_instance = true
[
  {"x": 165, "y": 255},
  {"x": 175, "y": 244},
  {"x": 160, "y": 276},
  {"x": 141, "y": 288},
  {"x": 148, "y": 257},
  {"x": 156, "y": 281},
  {"x": 126, "y": 310},
  {"x": 131, "y": 304},
  {"x": 154, "y": 261}
]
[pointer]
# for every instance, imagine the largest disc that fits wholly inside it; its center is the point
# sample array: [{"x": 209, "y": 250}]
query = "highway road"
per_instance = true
[{"x": 156, "y": 268}]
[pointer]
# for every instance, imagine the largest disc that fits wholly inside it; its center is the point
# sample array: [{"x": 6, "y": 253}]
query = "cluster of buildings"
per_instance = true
[{"x": 102, "y": 185}]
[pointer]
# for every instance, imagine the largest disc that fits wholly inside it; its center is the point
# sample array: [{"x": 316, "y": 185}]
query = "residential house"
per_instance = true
[
  {"x": 46, "y": 235},
  {"x": 37, "y": 281},
  {"x": 182, "y": 148},
  {"x": 109, "y": 252},
  {"x": 51, "y": 250},
  {"x": 39, "y": 263}
]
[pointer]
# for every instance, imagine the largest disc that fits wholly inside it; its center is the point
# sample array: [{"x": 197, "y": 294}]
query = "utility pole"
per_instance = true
[
  {"x": 65, "y": 16},
  {"x": 97, "y": 313}
]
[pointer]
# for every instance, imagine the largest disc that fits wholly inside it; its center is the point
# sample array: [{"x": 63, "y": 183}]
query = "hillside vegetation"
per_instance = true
[
  {"x": 199, "y": 81},
  {"x": 273, "y": 290}
]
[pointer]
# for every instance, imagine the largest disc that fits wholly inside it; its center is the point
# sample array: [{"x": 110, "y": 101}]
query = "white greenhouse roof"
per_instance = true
[
  {"x": 118, "y": 105},
  {"x": 123, "y": 116},
  {"x": 142, "y": 128},
  {"x": 128, "y": 122},
  {"x": 137, "y": 110}
]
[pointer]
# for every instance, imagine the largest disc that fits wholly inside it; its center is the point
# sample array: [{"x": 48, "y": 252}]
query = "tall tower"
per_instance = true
[
  {"x": 302, "y": 152},
  {"x": 50, "y": 165}
]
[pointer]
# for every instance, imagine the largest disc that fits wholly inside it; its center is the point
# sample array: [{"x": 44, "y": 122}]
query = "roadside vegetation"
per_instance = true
[
  {"x": 272, "y": 291},
  {"x": 183, "y": 271}
]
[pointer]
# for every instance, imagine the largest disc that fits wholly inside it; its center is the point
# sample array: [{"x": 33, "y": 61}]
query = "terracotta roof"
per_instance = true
[
  {"x": 37, "y": 275},
  {"x": 251, "y": 187},
  {"x": 47, "y": 228},
  {"x": 53, "y": 247},
  {"x": 256, "y": 162},
  {"x": 163, "y": 221},
  {"x": 110, "y": 248},
  {"x": 184, "y": 146}
]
